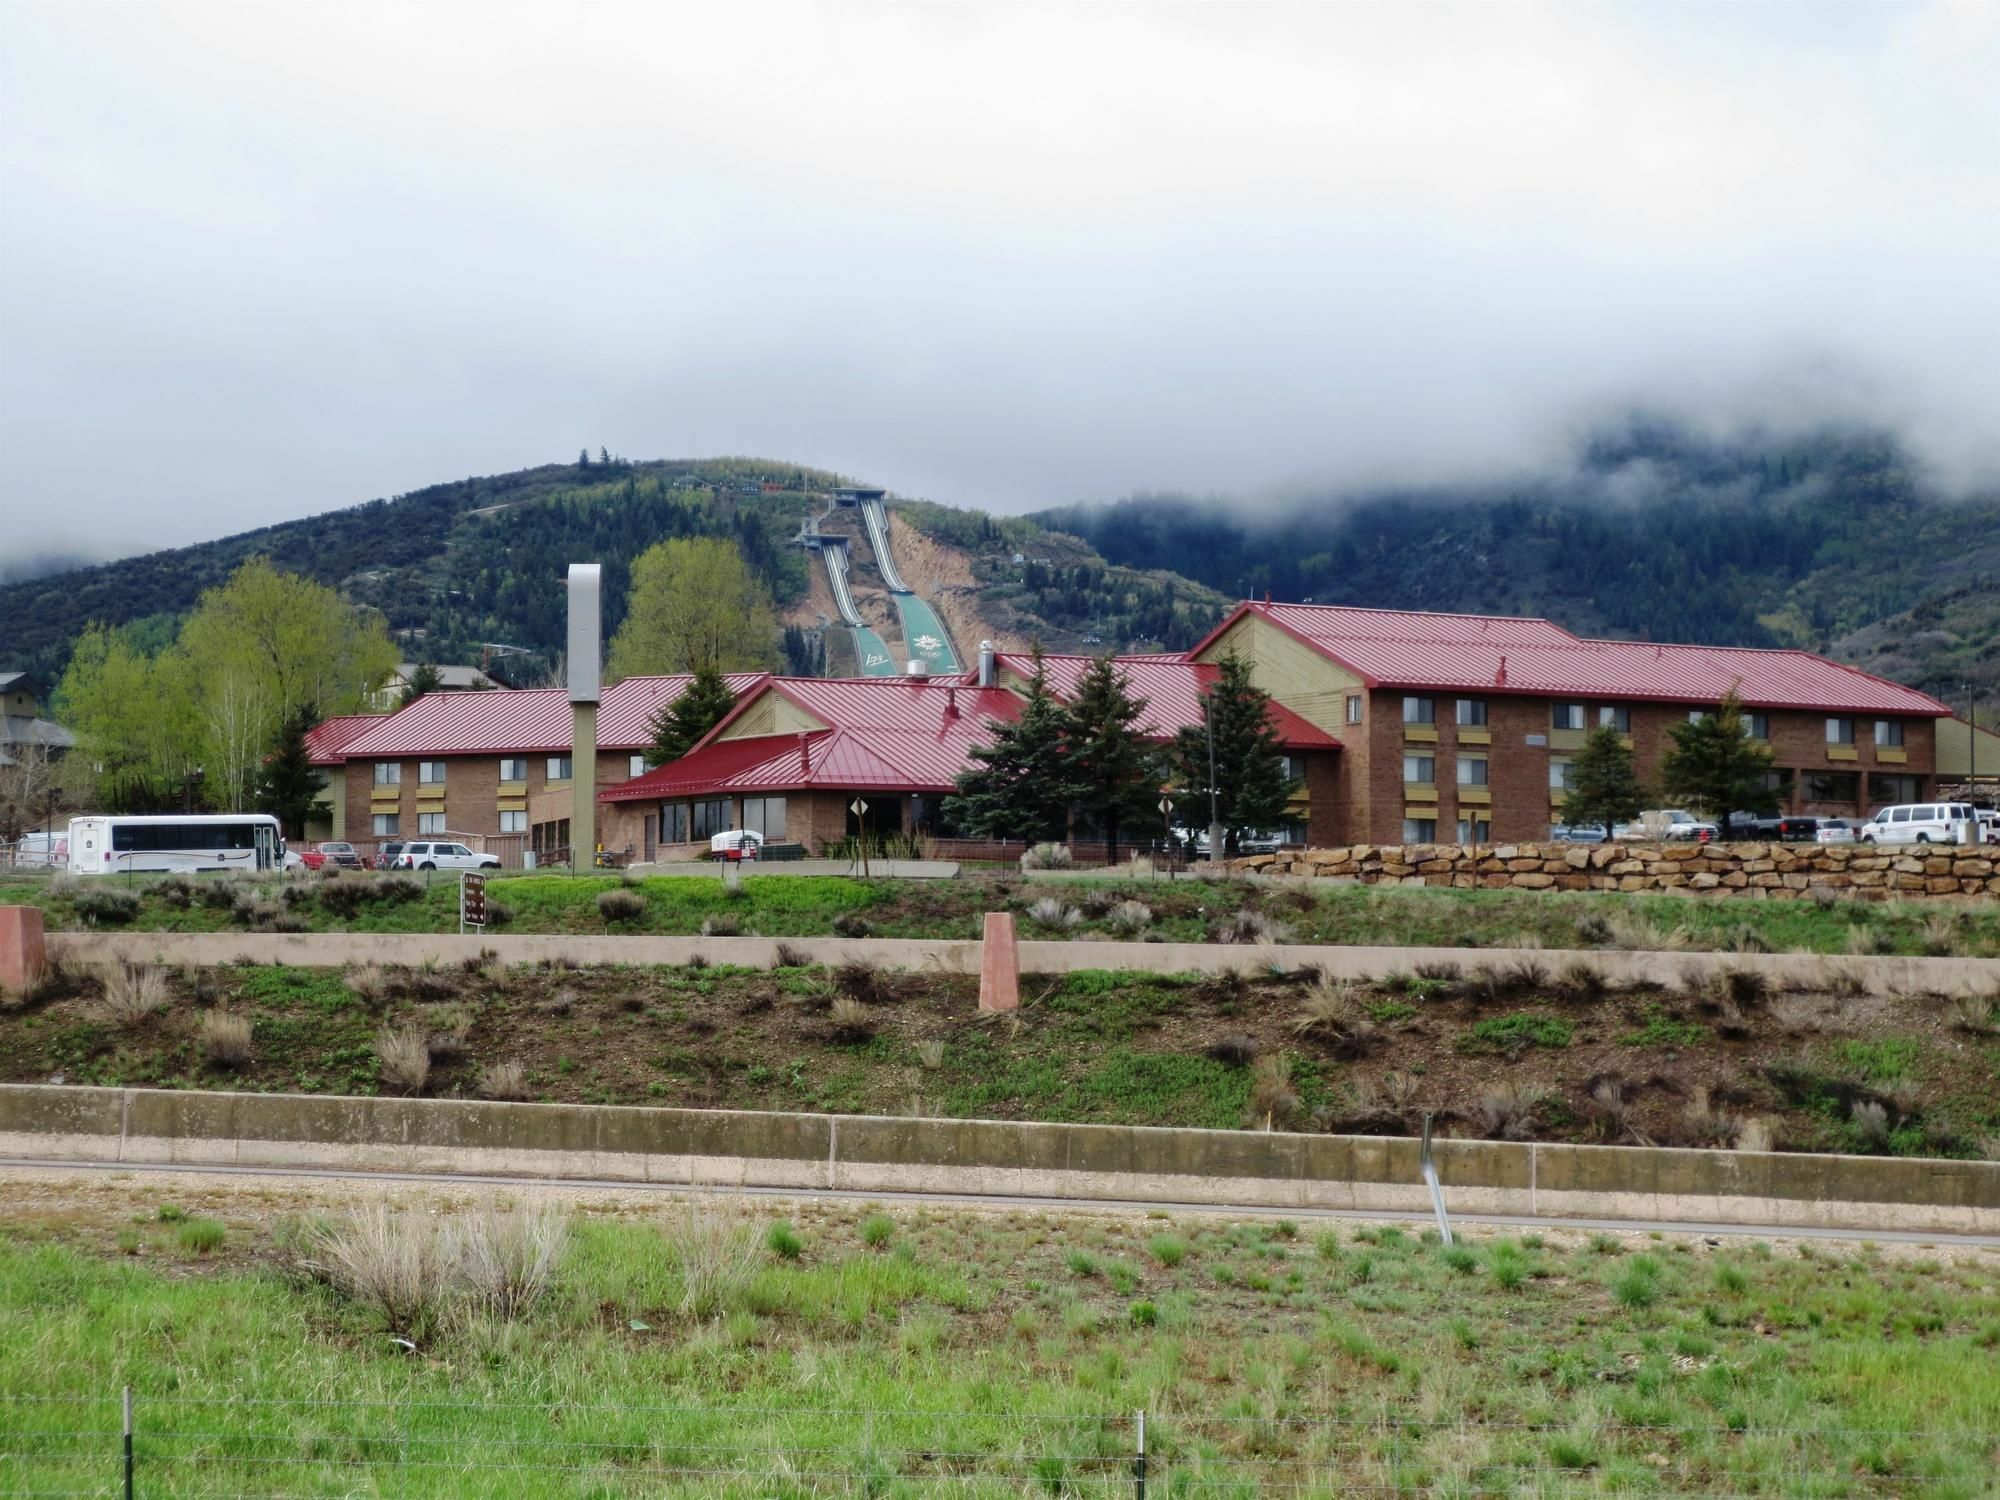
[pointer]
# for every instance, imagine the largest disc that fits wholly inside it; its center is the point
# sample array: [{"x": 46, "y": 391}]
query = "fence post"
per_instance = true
[
  {"x": 128, "y": 1443},
  {"x": 1139, "y": 1460}
]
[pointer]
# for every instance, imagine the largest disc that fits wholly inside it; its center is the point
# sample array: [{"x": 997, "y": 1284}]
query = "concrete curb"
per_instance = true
[
  {"x": 1009, "y": 1158},
  {"x": 1883, "y": 976}
]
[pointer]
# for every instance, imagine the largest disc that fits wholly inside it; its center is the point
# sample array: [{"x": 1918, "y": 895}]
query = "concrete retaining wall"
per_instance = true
[
  {"x": 814, "y": 1152},
  {"x": 1754, "y": 870},
  {"x": 1886, "y": 976}
]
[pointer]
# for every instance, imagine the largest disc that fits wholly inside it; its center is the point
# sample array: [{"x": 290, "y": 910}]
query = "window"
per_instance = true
[
  {"x": 1420, "y": 770},
  {"x": 1889, "y": 732},
  {"x": 1616, "y": 716},
  {"x": 388, "y": 773},
  {"x": 513, "y": 768},
  {"x": 1420, "y": 830},
  {"x": 1696, "y": 715},
  {"x": 387, "y": 825},
  {"x": 673, "y": 822},
  {"x": 1894, "y": 788},
  {"x": 1475, "y": 830},
  {"x": 1420, "y": 711},
  {"x": 1840, "y": 731},
  {"x": 1566, "y": 716},
  {"x": 430, "y": 772},
  {"x": 765, "y": 815},
  {"x": 636, "y": 766},
  {"x": 430, "y": 822},
  {"x": 1290, "y": 767},
  {"x": 515, "y": 821},
  {"x": 711, "y": 818},
  {"x": 1472, "y": 770},
  {"x": 1756, "y": 726},
  {"x": 559, "y": 768},
  {"x": 1832, "y": 786},
  {"x": 1354, "y": 708},
  {"x": 1472, "y": 713},
  {"x": 1562, "y": 775}
]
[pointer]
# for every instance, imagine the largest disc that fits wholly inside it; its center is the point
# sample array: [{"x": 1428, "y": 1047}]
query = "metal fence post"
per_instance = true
[
  {"x": 128, "y": 1443},
  {"x": 1139, "y": 1459}
]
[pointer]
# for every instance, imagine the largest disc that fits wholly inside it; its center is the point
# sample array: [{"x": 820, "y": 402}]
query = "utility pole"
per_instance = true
[{"x": 1215, "y": 836}]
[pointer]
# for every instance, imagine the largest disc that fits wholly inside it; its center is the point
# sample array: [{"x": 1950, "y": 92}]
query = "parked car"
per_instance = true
[
  {"x": 1250, "y": 841},
  {"x": 1989, "y": 827},
  {"x": 736, "y": 843},
  {"x": 1668, "y": 825},
  {"x": 1577, "y": 833},
  {"x": 385, "y": 854},
  {"x": 1837, "y": 831},
  {"x": 1918, "y": 823},
  {"x": 424, "y": 855},
  {"x": 1785, "y": 828},
  {"x": 330, "y": 852},
  {"x": 46, "y": 848}
]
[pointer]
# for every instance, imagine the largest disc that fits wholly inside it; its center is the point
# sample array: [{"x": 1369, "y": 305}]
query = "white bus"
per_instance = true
[{"x": 228, "y": 841}]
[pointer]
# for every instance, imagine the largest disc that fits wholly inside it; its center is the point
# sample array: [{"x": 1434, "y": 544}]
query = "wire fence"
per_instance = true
[{"x": 239, "y": 1447}]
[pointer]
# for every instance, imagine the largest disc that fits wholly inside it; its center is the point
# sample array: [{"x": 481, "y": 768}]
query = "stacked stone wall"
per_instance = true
[{"x": 1765, "y": 871}]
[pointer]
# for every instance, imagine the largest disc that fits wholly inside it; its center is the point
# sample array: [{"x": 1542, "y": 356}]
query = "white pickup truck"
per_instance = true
[{"x": 1665, "y": 825}]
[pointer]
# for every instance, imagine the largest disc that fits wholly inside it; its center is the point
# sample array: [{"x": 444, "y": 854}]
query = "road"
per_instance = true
[{"x": 1000, "y": 1201}]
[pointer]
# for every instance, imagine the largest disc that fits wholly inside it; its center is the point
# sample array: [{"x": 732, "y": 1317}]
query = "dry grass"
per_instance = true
[
  {"x": 1248, "y": 926},
  {"x": 850, "y": 1020},
  {"x": 1641, "y": 934},
  {"x": 717, "y": 1255},
  {"x": 1757, "y": 1134},
  {"x": 1705, "y": 1124},
  {"x": 507, "y": 1260},
  {"x": 1054, "y": 913},
  {"x": 1274, "y": 1103},
  {"x": 450, "y": 1029},
  {"x": 401, "y": 1266},
  {"x": 369, "y": 984},
  {"x": 1332, "y": 1014},
  {"x": 133, "y": 993},
  {"x": 403, "y": 1055},
  {"x": 1943, "y": 935},
  {"x": 621, "y": 905},
  {"x": 223, "y": 1038},
  {"x": 1130, "y": 917},
  {"x": 1047, "y": 857},
  {"x": 1506, "y": 1112},
  {"x": 503, "y": 1081},
  {"x": 1974, "y": 1013},
  {"x": 1614, "y": 1110}
]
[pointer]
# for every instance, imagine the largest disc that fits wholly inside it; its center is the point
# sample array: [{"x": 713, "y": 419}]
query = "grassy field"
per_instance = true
[
  {"x": 813, "y": 1349},
  {"x": 1543, "y": 1049},
  {"x": 1176, "y": 911}
]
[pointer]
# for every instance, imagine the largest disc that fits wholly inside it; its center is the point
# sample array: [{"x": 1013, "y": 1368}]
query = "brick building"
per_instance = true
[{"x": 1457, "y": 728}]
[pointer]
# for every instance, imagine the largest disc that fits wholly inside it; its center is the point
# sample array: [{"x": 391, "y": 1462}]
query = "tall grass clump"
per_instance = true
[
  {"x": 223, "y": 1038},
  {"x": 132, "y": 994},
  {"x": 505, "y": 1261},
  {"x": 403, "y": 1058},
  {"x": 716, "y": 1254},
  {"x": 621, "y": 905},
  {"x": 1047, "y": 857},
  {"x": 401, "y": 1267},
  {"x": 1054, "y": 913}
]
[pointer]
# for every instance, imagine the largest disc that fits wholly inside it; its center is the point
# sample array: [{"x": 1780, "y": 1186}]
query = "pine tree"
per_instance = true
[
  {"x": 1715, "y": 768},
  {"x": 1022, "y": 787},
  {"x": 583, "y": 458},
  {"x": 425, "y": 679},
  {"x": 1116, "y": 771},
  {"x": 1251, "y": 789},
  {"x": 677, "y": 727},
  {"x": 1603, "y": 787},
  {"x": 287, "y": 785}
]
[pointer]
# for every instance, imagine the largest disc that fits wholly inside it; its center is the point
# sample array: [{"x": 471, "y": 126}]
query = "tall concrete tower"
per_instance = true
[{"x": 586, "y": 631}]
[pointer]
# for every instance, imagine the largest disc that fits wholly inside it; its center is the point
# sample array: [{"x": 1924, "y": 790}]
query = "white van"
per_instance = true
[
  {"x": 1918, "y": 823},
  {"x": 36, "y": 849}
]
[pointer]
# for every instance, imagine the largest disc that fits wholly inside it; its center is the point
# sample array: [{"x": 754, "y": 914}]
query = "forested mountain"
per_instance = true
[{"x": 1653, "y": 533}]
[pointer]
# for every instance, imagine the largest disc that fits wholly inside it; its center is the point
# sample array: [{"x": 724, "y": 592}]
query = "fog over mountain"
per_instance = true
[{"x": 256, "y": 261}]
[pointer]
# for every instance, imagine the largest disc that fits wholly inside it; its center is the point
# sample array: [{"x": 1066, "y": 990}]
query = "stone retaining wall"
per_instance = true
[
  {"x": 1756, "y": 870},
  {"x": 1220, "y": 1168}
]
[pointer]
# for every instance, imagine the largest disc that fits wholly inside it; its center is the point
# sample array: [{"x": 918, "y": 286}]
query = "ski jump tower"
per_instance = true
[{"x": 586, "y": 629}]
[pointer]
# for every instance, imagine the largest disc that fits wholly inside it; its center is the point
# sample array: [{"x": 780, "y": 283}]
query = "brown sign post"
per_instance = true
[{"x": 471, "y": 901}]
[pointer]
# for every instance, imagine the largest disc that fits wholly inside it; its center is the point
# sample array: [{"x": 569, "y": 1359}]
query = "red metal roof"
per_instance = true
[
  {"x": 329, "y": 739},
  {"x": 1172, "y": 686},
  {"x": 1500, "y": 654},
  {"x": 530, "y": 721},
  {"x": 889, "y": 733}
]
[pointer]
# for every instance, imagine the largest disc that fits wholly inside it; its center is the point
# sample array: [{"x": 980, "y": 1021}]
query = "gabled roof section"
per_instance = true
[
  {"x": 327, "y": 744},
  {"x": 897, "y": 734},
  {"x": 530, "y": 721},
  {"x": 1172, "y": 686},
  {"x": 1502, "y": 654}
]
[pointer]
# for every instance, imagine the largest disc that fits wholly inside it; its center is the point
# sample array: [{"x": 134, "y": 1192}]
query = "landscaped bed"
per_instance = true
[
  {"x": 1541, "y": 1049},
  {"x": 718, "y": 1348}
]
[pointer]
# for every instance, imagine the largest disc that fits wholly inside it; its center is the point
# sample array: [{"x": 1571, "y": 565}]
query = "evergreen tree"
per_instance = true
[
  {"x": 426, "y": 679},
  {"x": 604, "y": 457},
  {"x": 1115, "y": 770},
  {"x": 1251, "y": 788},
  {"x": 1603, "y": 787},
  {"x": 677, "y": 727},
  {"x": 583, "y": 458},
  {"x": 287, "y": 786},
  {"x": 1715, "y": 768},
  {"x": 1022, "y": 787}
]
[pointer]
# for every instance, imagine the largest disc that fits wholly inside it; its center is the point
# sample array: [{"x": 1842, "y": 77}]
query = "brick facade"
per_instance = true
[{"x": 472, "y": 796}]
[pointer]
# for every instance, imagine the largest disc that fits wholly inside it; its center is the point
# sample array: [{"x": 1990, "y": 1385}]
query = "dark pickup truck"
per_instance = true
[{"x": 1788, "y": 828}]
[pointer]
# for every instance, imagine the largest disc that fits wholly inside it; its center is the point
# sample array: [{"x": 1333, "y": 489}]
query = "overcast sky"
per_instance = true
[{"x": 259, "y": 260}]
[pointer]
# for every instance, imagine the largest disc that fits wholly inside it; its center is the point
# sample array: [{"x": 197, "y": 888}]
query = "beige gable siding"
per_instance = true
[
  {"x": 1290, "y": 671},
  {"x": 1954, "y": 750},
  {"x": 772, "y": 713}
]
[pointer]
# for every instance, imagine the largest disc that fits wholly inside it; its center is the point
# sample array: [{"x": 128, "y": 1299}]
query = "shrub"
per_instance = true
[
  {"x": 1584, "y": 980},
  {"x": 504, "y": 1081},
  {"x": 861, "y": 980},
  {"x": 342, "y": 895},
  {"x": 132, "y": 993},
  {"x": 1053, "y": 912},
  {"x": 403, "y": 1058},
  {"x": 852, "y": 925},
  {"x": 1047, "y": 857},
  {"x": 1236, "y": 1048},
  {"x": 1168, "y": 1249},
  {"x": 400, "y": 1266},
  {"x": 176, "y": 891},
  {"x": 498, "y": 913},
  {"x": 785, "y": 956},
  {"x": 1332, "y": 1014},
  {"x": 105, "y": 905},
  {"x": 396, "y": 890},
  {"x": 223, "y": 1038},
  {"x": 721, "y": 924},
  {"x": 851, "y": 1021},
  {"x": 506, "y": 1261},
  {"x": 1249, "y": 926},
  {"x": 877, "y": 1230},
  {"x": 199, "y": 1236},
  {"x": 295, "y": 896},
  {"x": 1506, "y": 1112},
  {"x": 783, "y": 1241},
  {"x": 1130, "y": 917},
  {"x": 620, "y": 905},
  {"x": 1870, "y": 1120}
]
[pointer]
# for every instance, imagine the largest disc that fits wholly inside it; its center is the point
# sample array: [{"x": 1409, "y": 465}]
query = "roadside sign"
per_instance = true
[
  {"x": 471, "y": 900},
  {"x": 857, "y": 807},
  {"x": 1166, "y": 806}
]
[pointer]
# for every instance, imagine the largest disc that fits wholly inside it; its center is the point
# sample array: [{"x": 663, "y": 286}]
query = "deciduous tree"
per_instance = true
[
  {"x": 694, "y": 605},
  {"x": 135, "y": 722}
]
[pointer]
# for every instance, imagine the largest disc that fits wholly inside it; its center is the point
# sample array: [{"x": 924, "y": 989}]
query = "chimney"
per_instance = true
[
  {"x": 951, "y": 703},
  {"x": 1500, "y": 677},
  {"x": 917, "y": 667},
  {"x": 987, "y": 657},
  {"x": 1267, "y": 598}
]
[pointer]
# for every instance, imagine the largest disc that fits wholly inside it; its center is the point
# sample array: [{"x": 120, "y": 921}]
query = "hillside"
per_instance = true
[
  {"x": 459, "y": 565},
  {"x": 1834, "y": 544}
]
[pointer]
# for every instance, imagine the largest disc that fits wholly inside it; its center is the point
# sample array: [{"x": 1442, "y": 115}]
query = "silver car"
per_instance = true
[{"x": 1837, "y": 831}]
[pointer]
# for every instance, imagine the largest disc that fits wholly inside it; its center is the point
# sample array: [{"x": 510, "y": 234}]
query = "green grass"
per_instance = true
[
  {"x": 1663, "y": 1030},
  {"x": 1513, "y": 1032},
  {"x": 1806, "y": 1376}
]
